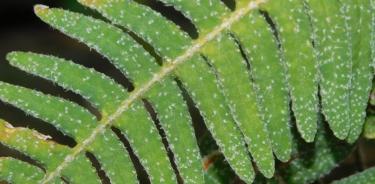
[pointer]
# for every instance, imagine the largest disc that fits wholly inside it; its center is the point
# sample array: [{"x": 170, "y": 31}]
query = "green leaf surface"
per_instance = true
[
  {"x": 205, "y": 91},
  {"x": 268, "y": 81},
  {"x": 294, "y": 30},
  {"x": 363, "y": 71},
  {"x": 233, "y": 78},
  {"x": 164, "y": 35},
  {"x": 50, "y": 157},
  {"x": 334, "y": 59},
  {"x": 242, "y": 72},
  {"x": 138, "y": 68},
  {"x": 26, "y": 173}
]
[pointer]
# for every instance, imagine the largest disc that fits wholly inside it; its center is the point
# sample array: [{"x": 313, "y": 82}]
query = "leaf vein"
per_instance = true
[{"x": 168, "y": 68}]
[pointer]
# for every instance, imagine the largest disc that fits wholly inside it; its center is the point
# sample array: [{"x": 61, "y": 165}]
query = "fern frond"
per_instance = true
[
  {"x": 334, "y": 59},
  {"x": 363, "y": 59},
  {"x": 25, "y": 173},
  {"x": 30, "y": 142},
  {"x": 267, "y": 76},
  {"x": 233, "y": 86},
  {"x": 294, "y": 36},
  {"x": 139, "y": 130},
  {"x": 242, "y": 72}
]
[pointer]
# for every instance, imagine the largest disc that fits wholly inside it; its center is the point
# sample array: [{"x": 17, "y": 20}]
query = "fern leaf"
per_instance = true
[
  {"x": 164, "y": 35},
  {"x": 83, "y": 81},
  {"x": 302, "y": 68},
  {"x": 116, "y": 46},
  {"x": 362, "y": 65},
  {"x": 33, "y": 142},
  {"x": 174, "y": 118},
  {"x": 234, "y": 72},
  {"x": 113, "y": 14},
  {"x": 66, "y": 116},
  {"x": 197, "y": 10},
  {"x": 136, "y": 126},
  {"x": 234, "y": 80},
  {"x": 85, "y": 84},
  {"x": 364, "y": 177},
  {"x": 139, "y": 68},
  {"x": 269, "y": 83},
  {"x": 203, "y": 87},
  {"x": 333, "y": 53},
  {"x": 71, "y": 120},
  {"x": 26, "y": 173},
  {"x": 118, "y": 169},
  {"x": 41, "y": 65},
  {"x": 93, "y": 40}
]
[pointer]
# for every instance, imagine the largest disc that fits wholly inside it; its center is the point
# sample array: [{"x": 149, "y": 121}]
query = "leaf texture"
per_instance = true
[
  {"x": 242, "y": 72},
  {"x": 302, "y": 68},
  {"x": 268, "y": 79},
  {"x": 362, "y": 62}
]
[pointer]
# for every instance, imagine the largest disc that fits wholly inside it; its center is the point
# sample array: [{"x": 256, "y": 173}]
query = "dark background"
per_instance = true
[{"x": 21, "y": 30}]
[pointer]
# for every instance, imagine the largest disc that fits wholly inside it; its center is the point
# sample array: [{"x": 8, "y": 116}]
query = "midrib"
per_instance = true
[{"x": 137, "y": 93}]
